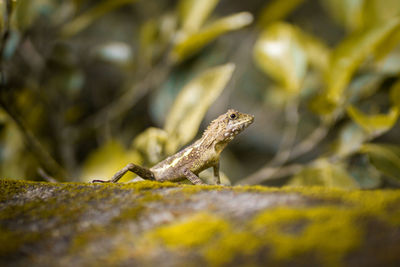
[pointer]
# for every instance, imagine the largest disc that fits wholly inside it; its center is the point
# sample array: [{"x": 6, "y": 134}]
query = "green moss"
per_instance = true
[
  {"x": 194, "y": 231},
  {"x": 81, "y": 240}
]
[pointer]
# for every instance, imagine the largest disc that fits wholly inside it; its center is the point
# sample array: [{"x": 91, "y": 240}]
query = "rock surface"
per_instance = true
[{"x": 166, "y": 224}]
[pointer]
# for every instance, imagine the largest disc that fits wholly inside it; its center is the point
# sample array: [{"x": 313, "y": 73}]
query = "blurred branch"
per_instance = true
[
  {"x": 129, "y": 98},
  {"x": 84, "y": 20},
  {"x": 273, "y": 173},
  {"x": 268, "y": 173},
  {"x": 242, "y": 59},
  {"x": 310, "y": 142},
  {"x": 6, "y": 32},
  {"x": 285, "y": 148},
  {"x": 43, "y": 157},
  {"x": 45, "y": 176},
  {"x": 289, "y": 135}
]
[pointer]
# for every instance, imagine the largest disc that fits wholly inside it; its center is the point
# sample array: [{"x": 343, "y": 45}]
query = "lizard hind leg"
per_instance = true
[
  {"x": 192, "y": 177},
  {"x": 139, "y": 170}
]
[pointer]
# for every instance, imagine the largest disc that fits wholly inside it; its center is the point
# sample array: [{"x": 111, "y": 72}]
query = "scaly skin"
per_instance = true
[{"x": 202, "y": 154}]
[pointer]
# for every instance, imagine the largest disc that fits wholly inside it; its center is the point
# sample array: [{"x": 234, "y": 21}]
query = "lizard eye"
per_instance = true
[{"x": 232, "y": 116}]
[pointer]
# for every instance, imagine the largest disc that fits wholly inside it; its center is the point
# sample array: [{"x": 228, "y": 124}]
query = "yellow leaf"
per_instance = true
[
  {"x": 347, "y": 13},
  {"x": 25, "y": 12},
  {"x": 277, "y": 10},
  {"x": 151, "y": 145},
  {"x": 190, "y": 106},
  {"x": 84, "y": 20},
  {"x": 324, "y": 173},
  {"x": 378, "y": 11},
  {"x": 395, "y": 94},
  {"x": 147, "y": 39},
  {"x": 193, "y": 13},
  {"x": 377, "y": 123},
  {"x": 104, "y": 162},
  {"x": 190, "y": 44},
  {"x": 348, "y": 56},
  {"x": 318, "y": 53},
  {"x": 279, "y": 53}
]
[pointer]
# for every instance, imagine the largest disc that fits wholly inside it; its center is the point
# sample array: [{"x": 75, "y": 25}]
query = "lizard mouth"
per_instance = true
[{"x": 239, "y": 127}]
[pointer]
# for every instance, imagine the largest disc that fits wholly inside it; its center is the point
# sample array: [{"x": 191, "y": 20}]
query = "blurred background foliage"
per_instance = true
[{"x": 89, "y": 86}]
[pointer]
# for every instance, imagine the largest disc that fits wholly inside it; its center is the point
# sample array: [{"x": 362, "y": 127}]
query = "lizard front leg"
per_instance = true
[
  {"x": 192, "y": 177},
  {"x": 217, "y": 179},
  {"x": 139, "y": 170}
]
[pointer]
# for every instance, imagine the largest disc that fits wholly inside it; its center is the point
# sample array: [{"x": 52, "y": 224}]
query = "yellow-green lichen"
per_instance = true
[
  {"x": 193, "y": 231},
  {"x": 193, "y": 189},
  {"x": 232, "y": 244},
  {"x": 9, "y": 189},
  {"x": 11, "y": 241},
  {"x": 327, "y": 225},
  {"x": 331, "y": 231}
]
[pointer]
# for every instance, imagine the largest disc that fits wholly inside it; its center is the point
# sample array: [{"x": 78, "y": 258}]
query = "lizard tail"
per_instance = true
[{"x": 141, "y": 171}]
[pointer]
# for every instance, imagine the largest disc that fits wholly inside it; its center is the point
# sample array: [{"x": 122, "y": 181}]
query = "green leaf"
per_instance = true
[
  {"x": 193, "y": 13},
  {"x": 279, "y": 53},
  {"x": 324, "y": 173},
  {"x": 386, "y": 158},
  {"x": 189, "y": 45},
  {"x": 87, "y": 18},
  {"x": 348, "y": 56},
  {"x": 105, "y": 161},
  {"x": 277, "y": 10},
  {"x": 190, "y": 106},
  {"x": 374, "y": 124}
]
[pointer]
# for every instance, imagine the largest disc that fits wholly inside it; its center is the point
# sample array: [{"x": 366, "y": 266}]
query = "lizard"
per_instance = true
[{"x": 201, "y": 155}]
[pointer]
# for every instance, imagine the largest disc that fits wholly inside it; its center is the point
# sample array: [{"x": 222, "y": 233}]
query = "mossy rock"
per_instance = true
[{"x": 166, "y": 224}]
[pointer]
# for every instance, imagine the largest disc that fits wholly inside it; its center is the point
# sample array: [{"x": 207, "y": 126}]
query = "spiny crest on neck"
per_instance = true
[{"x": 217, "y": 124}]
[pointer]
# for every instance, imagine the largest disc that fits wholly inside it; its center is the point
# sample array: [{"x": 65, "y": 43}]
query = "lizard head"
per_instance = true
[
  {"x": 224, "y": 128},
  {"x": 233, "y": 123}
]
